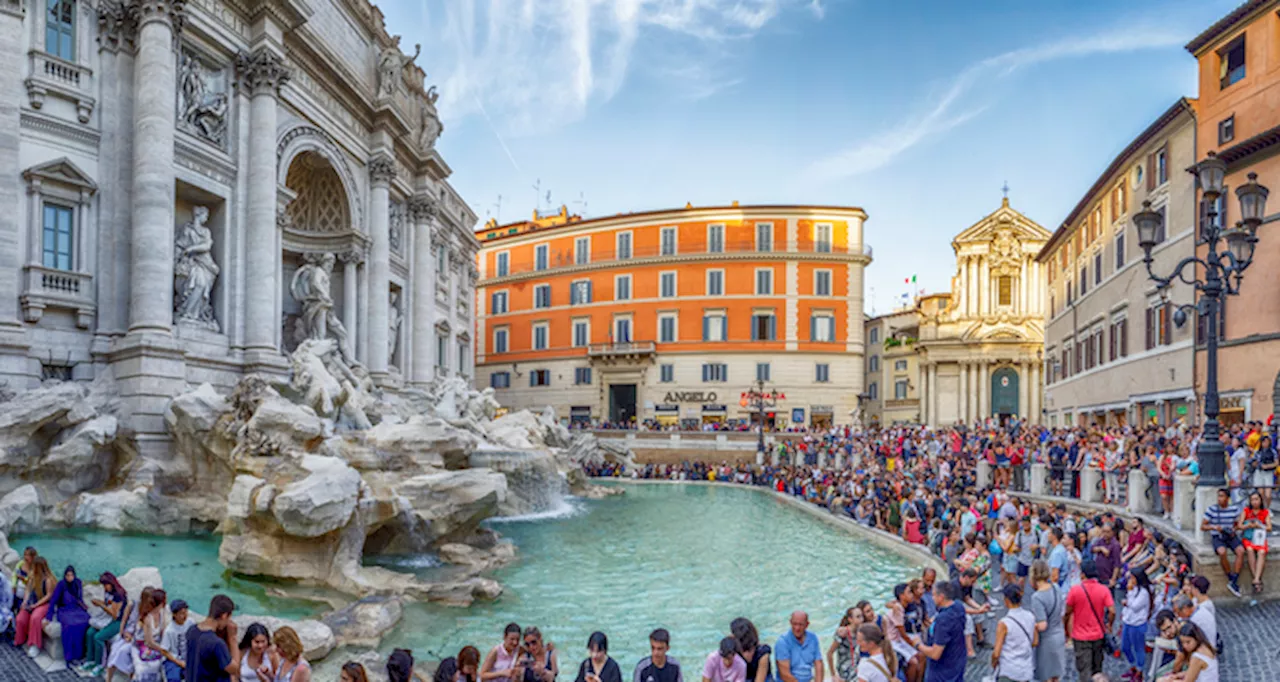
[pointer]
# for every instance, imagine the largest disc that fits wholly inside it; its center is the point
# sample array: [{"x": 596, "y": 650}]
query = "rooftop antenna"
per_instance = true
[
  {"x": 548, "y": 201},
  {"x": 537, "y": 194},
  {"x": 582, "y": 201},
  {"x": 497, "y": 210}
]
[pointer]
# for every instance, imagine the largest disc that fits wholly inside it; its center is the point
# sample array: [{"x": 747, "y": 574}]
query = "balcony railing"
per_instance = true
[
  {"x": 50, "y": 288},
  {"x": 52, "y": 75},
  {"x": 568, "y": 258},
  {"x": 616, "y": 348}
]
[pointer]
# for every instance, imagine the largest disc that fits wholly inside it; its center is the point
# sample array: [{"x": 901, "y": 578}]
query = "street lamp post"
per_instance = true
[
  {"x": 1219, "y": 267},
  {"x": 759, "y": 400}
]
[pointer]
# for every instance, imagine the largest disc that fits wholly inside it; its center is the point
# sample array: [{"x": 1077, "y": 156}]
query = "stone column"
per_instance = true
[
  {"x": 962, "y": 400},
  {"x": 925, "y": 394},
  {"x": 13, "y": 354},
  {"x": 933, "y": 393},
  {"x": 382, "y": 171},
  {"x": 351, "y": 261},
  {"x": 984, "y": 389},
  {"x": 984, "y": 291},
  {"x": 1024, "y": 394},
  {"x": 151, "y": 253},
  {"x": 261, "y": 74},
  {"x": 422, "y": 210}
]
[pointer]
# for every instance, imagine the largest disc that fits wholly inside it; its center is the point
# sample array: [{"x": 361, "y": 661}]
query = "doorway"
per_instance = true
[
  {"x": 1004, "y": 393},
  {"x": 622, "y": 403}
]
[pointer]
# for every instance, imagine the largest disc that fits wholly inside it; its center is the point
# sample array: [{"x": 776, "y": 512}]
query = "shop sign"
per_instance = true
[
  {"x": 820, "y": 409},
  {"x": 667, "y": 408},
  {"x": 797, "y": 415},
  {"x": 1182, "y": 410},
  {"x": 690, "y": 397},
  {"x": 1235, "y": 402},
  {"x": 713, "y": 408}
]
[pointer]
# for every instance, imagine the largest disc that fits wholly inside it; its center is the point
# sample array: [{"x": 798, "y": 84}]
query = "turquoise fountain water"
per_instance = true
[
  {"x": 685, "y": 557},
  {"x": 188, "y": 564}
]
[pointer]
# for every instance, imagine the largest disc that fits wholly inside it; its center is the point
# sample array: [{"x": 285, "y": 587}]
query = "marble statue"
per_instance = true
[
  {"x": 390, "y": 67},
  {"x": 431, "y": 128},
  {"x": 310, "y": 288},
  {"x": 394, "y": 317},
  {"x": 202, "y": 109},
  {"x": 194, "y": 271}
]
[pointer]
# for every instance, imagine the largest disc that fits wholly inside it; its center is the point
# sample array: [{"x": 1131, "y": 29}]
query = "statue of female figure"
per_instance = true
[{"x": 194, "y": 271}]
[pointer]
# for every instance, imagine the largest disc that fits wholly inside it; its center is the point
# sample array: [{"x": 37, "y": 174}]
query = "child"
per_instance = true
[{"x": 173, "y": 645}]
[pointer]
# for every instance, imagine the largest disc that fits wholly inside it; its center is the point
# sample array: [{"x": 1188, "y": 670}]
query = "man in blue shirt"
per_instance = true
[
  {"x": 1222, "y": 520},
  {"x": 945, "y": 648},
  {"x": 1059, "y": 562},
  {"x": 798, "y": 655}
]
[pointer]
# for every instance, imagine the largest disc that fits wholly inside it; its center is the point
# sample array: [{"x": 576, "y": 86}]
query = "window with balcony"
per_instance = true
[
  {"x": 822, "y": 282},
  {"x": 503, "y": 265},
  {"x": 763, "y": 327},
  {"x": 715, "y": 371},
  {"x": 582, "y": 376},
  {"x": 715, "y": 238},
  {"x": 500, "y": 340},
  {"x": 668, "y": 241},
  {"x": 1231, "y": 63},
  {"x": 498, "y": 303},
  {"x": 764, "y": 281},
  {"x": 540, "y": 377},
  {"x": 622, "y": 288},
  {"x": 542, "y": 296},
  {"x": 667, "y": 285},
  {"x": 582, "y": 250},
  {"x": 57, "y": 272},
  {"x": 715, "y": 327},
  {"x": 60, "y": 29},
  {"x": 622, "y": 330},
  {"x": 822, "y": 373},
  {"x": 500, "y": 380},
  {"x": 715, "y": 282},
  {"x": 624, "y": 245},
  {"x": 762, "y": 371},
  {"x": 541, "y": 257},
  {"x": 822, "y": 238},
  {"x": 541, "y": 336},
  {"x": 667, "y": 328},
  {"x": 764, "y": 236},
  {"x": 666, "y": 373},
  {"x": 58, "y": 237},
  {"x": 581, "y": 333},
  {"x": 822, "y": 327}
]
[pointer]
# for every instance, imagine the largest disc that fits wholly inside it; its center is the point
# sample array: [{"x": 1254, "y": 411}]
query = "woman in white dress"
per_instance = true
[
  {"x": 1200, "y": 660},
  {"x": 139, "y": 636}
]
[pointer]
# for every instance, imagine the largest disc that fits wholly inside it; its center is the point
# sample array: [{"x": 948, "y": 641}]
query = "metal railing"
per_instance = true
[
  {"x": 621, "y": 348},
  {"x": 567, "y": 258}
]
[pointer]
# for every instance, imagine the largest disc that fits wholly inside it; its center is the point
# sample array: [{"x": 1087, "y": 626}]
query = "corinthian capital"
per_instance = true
[
  {"x": 382, "y": 170},
  {"x": 171, "y": 12},
  {"x": 422, "y": 208},
  {"x": 263, "y": 71},
  {"x": 117, "y": 25}
]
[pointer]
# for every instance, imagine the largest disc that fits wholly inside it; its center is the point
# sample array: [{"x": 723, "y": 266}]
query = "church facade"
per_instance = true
[
  {"x": 981, "y": 349},
  {"x": 190, "y": 190}
]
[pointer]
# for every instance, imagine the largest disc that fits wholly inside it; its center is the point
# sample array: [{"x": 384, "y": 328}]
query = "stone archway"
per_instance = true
[
  {"x": 320, "y": 203},
  {"x": 1004, "y": 392},
  {"x": 305, "y": 139}
]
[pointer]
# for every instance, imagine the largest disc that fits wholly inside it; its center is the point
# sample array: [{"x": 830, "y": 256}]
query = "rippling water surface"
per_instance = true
[{"x": 689, "y": 558}]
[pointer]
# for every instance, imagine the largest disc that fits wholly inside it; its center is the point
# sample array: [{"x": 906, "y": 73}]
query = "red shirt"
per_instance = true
[{"x": 1085, "y": 626}]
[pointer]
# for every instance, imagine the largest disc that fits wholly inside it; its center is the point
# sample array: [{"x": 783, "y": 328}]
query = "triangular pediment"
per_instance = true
[
  {"x": 1004, "y": 218},
  {"x": 62, "y": 171}
]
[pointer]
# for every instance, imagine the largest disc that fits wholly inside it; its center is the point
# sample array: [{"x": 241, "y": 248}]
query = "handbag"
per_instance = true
[{"x": 1109, "y": 643}]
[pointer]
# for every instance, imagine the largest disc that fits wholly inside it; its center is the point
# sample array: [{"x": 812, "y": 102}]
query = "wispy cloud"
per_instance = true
[
  {"x": 961, "y": 101},
  {"x": 534, "y": 65}
]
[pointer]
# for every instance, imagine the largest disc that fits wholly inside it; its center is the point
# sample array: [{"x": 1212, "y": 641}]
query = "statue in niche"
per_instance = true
[
  {"x": 194, "y": 271},
  {"x": 310, "y": 288},
  {"x": 395, "y": 231},
  {"x": 390, "y": 67},
  {"x": 394, "y": 318},
  {"x": 431, "y": 128},
  {"x": 202, "y": 109}
]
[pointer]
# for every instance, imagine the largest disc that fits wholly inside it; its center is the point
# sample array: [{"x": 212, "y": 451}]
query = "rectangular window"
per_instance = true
[
  {"x": 541, "y": 256},
  {"x": 1005, "y": 294},
  {"x": 1084, "y": 280},
  {"x": 581, "y": 376},
  {"x": 580, "y": 292},
  {"x": 57, "y": 237},
  {"x": 622, "y": 288},
  {"x": 875, "y": 335},
  {"x": 1162, "y": 166},
  {"x": 582, "y": 250},
  {"x": 1227, "y": 129},
  {"x": 542, "y": 296},
  {"x": 900, "y": 389},
  {"x": 1124, "y": 337},
  {"x": 764, "y": 282},
  {"x": 668, "y": 241},
  {"x": 1231, "y": 63},
  {"x": 442, "y": 353},
  {"x": 500, "y": 340},
  {"x": 541, "y": 336},
  {"x": 899, "y": 365},
  {"x": 667, "y": 328},
  {"x": 764, "y": 236},
  {"x": 504, "y": 264},
  {"x": 581, "y": 333},
  {"x": 1150, "y": 328},
  {"x": 822, "y": 327},
  {"x": 715, "y": 371},
  {"x": 500, "y": 380},
  {"x": 1119, "y": 251},
  {"x": 715, "y": 282},
  {"x": 540, "y": 377},
  {"x": 762, "y": 371},
  {"x": 822, "y": 282},
  {"x": 666, "y": 373},
  {"x": 498, "y": 303},
  {"x": 715, "y": 238},
  {"x": 622, "y": 330},
  {"x": 822, "y": 373},
  {"x": 1097, "y": 268},
  {"x": 60, "y": 29},
  {"x": 624, "y": 245},
  {"x": 715, "y": 327},
  {"x": 763, "y": 327},
  {"x": 1165, "y": 320},
  {"x": 462, "y": 357},
  {"x": 822, "y": 238},
  {"x": 667, "y": 285}
]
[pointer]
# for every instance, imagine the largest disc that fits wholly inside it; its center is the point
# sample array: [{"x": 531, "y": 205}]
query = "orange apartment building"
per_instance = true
[
  {"x": 1239, "y": 119},
  {"x": 671, "y": 315}
]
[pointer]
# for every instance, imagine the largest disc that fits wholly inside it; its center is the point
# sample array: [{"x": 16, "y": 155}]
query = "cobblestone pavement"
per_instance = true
[
  {"x": 1250, "y": 633},
  {"x": 16, "y": 667}
]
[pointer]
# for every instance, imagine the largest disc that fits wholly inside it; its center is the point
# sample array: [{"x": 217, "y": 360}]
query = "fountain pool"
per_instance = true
[
  {"x": 689, "y": 558},
  {"x": 188, "y": 564}
]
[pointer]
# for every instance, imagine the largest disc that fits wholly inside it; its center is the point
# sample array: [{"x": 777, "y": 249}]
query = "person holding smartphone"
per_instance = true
[
  {"x": 598, "y": 666},
  {"x": 536, "y": 662}
]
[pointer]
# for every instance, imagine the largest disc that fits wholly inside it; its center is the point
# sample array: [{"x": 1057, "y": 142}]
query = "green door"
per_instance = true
[{"x": 1004, "y": 392}]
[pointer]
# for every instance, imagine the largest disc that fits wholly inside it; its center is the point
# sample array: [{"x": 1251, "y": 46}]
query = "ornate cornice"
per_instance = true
[
  {"x": 355, "y": 255},
  {"x": 262, "y": 72},
  {"x": 117, "y": 25},
  {"x": 382, "y": 170}
]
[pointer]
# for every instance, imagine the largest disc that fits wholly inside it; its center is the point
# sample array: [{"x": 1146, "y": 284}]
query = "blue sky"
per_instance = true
[{"x": 916, "y": 111}]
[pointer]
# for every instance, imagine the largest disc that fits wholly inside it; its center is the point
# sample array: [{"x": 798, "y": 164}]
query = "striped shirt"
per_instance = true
[{"x": 1222, "y": 516}]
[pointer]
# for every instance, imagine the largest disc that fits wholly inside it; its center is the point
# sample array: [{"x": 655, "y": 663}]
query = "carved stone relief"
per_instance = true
[
  {"x": 202, "y": 99},
  {"x": 396, "y": 220}
]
